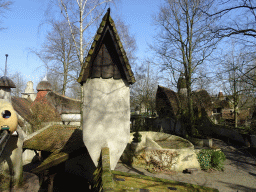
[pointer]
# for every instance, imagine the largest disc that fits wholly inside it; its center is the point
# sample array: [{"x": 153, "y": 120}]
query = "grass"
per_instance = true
[
  {"x": 4, "y": 182},
  {"x": 133, "y": 182}
]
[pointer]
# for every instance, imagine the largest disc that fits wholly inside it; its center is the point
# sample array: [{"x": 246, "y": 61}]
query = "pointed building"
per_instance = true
[{"x": 105, "y": 78}]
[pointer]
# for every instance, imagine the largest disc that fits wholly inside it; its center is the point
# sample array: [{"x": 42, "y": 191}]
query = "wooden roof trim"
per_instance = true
[
  {"x": 54, "y": 159},
  {"x": 107, "y": 20}
]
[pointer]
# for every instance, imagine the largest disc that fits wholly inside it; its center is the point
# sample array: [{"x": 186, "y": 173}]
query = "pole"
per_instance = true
[{"x": 5, "y": 71}]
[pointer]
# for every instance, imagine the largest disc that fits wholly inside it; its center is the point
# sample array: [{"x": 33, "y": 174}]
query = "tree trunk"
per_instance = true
[
  {"x": 81, "y": 11},
  {"x": 65, "y": 78},
  {"x": 190, "y": 110}
]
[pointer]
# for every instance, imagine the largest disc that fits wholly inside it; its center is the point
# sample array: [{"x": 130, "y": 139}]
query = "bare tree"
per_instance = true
[
  {"x": 74, "y": 91},
  {"x": 236, "y": 18},
  {"x": 80, "y": 15},
  {"x": 235, "y": 84},
  {"x": 4, "y": 5},
  {"x": 143, "y": 92},
  {"x": 19, "y": 82},
  {"x": 56, "y": 81},
  {"x": 127, "y": 39},
  {"x": 59, "y": 54},
  {"x": 185, "y": 41}
]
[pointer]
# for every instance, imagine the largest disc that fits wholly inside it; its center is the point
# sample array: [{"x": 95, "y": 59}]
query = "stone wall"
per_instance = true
[
  {"x": 208, "y": 128},
  {"x": 221, "y": 131},
  {"x": 149, "y": 153}
]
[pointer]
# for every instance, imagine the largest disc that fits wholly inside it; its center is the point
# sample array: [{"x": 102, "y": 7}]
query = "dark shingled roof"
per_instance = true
[
  {"x": 60, "y": 140},
  {"x": 107, "y": 26},
  {"x": 22, "y": 107},
  {"x": 6, "y": 82},
  {"x": 44, "y": 86},
  {"x": 64, "y": 104}
]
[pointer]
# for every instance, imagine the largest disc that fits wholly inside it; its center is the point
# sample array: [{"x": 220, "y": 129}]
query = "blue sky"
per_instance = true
[{"x": 22, "y": 33}]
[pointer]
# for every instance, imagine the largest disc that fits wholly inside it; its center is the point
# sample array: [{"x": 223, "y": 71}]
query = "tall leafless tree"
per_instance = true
[
  {"x": 184, "y": 41},
  {"x": 233, "y": 67},
  {"x": 4, "y": 5},
  {"x": 59, "y": 54},
  {"x": 80, "y": 15},
  {"x": 19, "y": 82},
  {"x": 236, "y": 18},
  {"x": 127, "y": 39},
  {"x": 143, "y": 92}
]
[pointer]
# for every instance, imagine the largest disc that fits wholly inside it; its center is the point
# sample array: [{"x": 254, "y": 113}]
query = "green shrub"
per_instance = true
[
  {"x": 217, "y": 160},
  {"x": 208, "y": 158},
  {"x": 204, "y": 159},
  {"x": 137, "y": 137}
]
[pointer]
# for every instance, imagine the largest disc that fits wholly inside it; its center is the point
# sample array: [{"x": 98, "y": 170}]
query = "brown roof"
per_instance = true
[
  {"x": 202, "y": 99},
  {"x": 60, "y": 140},
  {"x": 221, "y": 104},
  {"x": 44, "y": 86},
  {"x": 22, "y": 107},
  {"x": 167, "y": 98},
  {"x": 6, "y": 82},
  {"x": 107, "y": 33},
  {"x": 64, "y": 104},
  {"x": 43, "y": 111}
]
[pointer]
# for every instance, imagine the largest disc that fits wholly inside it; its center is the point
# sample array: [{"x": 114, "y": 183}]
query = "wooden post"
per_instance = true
[{"x": 50, "y": 182}]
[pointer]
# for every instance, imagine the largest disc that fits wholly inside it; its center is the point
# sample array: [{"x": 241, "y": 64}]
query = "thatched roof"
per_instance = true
[
  {"x": 44, "y": 86},
  {"x": 22, "y": 107},
  {"x": 221, "y": 104},
  {"x": 63, "y": 104},
  {"x": 168, "y": 99},
  {"x": 60, "y": 140},
  {"x": 6, "y": 82},
  {"x": 108, "y": 42},
  {"x": 202, "y": 99}
]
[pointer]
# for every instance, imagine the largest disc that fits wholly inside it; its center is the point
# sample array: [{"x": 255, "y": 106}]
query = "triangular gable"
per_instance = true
[
  {"x": 106, "y": 57},
  {"x": 167, "y": 99}
]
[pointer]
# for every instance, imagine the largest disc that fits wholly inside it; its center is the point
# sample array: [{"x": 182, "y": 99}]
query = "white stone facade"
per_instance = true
[
  {"x": 106, "y": 117},
  {"x": 29, "y": 91}
]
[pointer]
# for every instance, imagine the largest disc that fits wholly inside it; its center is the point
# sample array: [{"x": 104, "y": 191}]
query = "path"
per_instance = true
[{"x": 239, "y": 174}]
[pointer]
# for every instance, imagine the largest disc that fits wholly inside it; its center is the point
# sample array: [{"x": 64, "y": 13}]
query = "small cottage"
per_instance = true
[{"x": 105, "y": 78}]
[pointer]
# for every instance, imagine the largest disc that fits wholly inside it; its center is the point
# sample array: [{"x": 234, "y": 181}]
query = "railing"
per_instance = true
[
  {"x": 144, "y": 123},
  {"x": 4, "y": 137}
]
